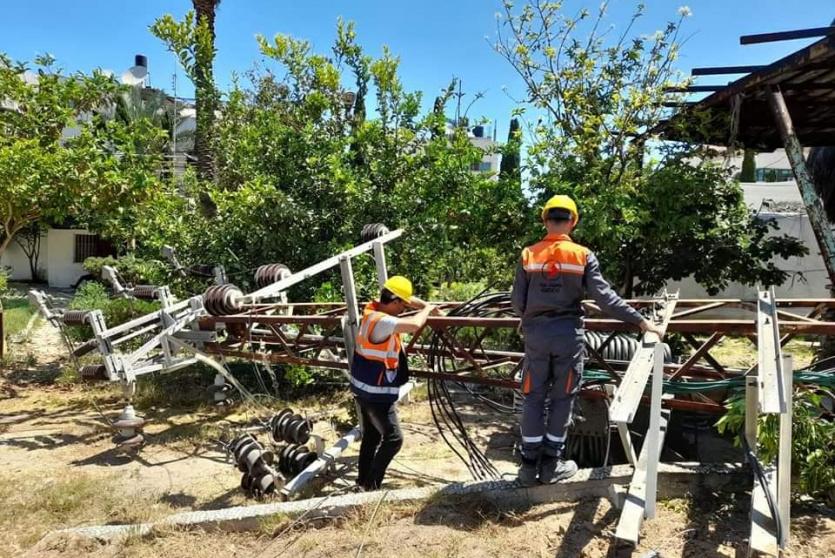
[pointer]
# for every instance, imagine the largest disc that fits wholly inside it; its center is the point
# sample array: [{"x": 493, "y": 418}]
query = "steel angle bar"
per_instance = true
[
  {"x": 698, "y": 355},
  {"x": 763, "y": 540},
  {"x": 127, "y": 326},
  {"x": 274, "y": 289},
  {"x": 769, "y": 357},
  {"x": 634, "y": 507},
  {"x": 157, "y": 339},
  {"x": 629, "y": 392},
  {"x": 784, "y": 458}
]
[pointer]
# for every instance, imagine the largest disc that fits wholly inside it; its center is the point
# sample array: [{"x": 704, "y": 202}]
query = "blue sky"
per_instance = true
[{"x": 435, "y": 39}]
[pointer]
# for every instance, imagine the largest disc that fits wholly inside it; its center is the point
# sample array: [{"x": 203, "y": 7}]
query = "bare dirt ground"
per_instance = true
[{"x": 58, "y": 469}]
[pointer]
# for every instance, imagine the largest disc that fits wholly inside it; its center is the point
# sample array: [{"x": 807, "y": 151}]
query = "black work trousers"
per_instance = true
[{"x": 381, "y": 440}]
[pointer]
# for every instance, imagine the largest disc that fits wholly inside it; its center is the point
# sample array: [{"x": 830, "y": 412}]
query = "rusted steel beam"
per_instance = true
[
  {"x": 699, "y": 309},
  {"x": 811, "y": 199},
  {"x": 706, "y": 354},
  {"x": 437, "y": 323},
  {"x": 700, "y": 352},
  {"x": 276, "y": 358}
]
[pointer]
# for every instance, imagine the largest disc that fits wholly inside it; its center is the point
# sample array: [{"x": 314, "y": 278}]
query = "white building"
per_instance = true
[
  {"x": 62, "y": 253},
  {"x": 775, "y": 196}
]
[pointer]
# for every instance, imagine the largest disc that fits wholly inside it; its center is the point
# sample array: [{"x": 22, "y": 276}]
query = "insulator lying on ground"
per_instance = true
[
  {"x": 294, "y": 459},
  {"x": 92, "y": 372},
  {"x": 146, "y": 292},
  {"x": 75, "y": 317},
  {"x": 288, "y": 427},
  {"x": 128, "y": 429},
  {"x": 372, "y": 231},
  {"x": 259, "y": 477},
  {"x": 270, "y": 273},
  {"x": 222, "y": 300}
]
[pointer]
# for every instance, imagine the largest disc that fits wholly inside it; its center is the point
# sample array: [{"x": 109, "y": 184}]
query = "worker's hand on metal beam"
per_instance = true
[
  {"x": 417, "y": 303},
  {"x": 650, "y": 327}
]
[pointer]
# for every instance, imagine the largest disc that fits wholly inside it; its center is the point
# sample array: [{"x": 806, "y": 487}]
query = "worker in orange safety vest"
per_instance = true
[
  {"x": 378, "y": 370},
  {"x": 551, "y": 281}
]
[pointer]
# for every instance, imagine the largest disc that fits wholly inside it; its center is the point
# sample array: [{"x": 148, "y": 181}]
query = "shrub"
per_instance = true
[
  {"x": 813, "y": 440},
  {"x": 4, "y": 279},
  {"x": 93, "y": 296},
  {"x": 136, "y": 271}
]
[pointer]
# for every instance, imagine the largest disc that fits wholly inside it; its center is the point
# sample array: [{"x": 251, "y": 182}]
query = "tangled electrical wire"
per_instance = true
[{"x": 442, "y": 401}]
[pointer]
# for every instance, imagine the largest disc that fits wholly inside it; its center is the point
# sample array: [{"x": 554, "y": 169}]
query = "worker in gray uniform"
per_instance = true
[{"x": 551, "y": 280}]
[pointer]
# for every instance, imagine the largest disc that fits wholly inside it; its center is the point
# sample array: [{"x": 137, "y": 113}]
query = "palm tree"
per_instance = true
[{"x": 206, "y": 101}]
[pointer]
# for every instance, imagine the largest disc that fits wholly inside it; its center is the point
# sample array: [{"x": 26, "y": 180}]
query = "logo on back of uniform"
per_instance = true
[{"x": 552, "y": 269}]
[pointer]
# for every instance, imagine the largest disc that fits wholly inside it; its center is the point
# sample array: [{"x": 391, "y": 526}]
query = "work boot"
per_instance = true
[
  {"x": 554, "y": 469},
  {"x": 527, "y": 472}
]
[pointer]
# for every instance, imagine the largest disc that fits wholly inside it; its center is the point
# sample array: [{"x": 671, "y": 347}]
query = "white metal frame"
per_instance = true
[
  {"x": 768, "y": 390},
  {"x": 648, "y": 360}
]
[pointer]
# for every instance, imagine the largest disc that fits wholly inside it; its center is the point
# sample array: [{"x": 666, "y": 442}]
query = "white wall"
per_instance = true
[
  {"x": 808, "y": 277},
  {"x": 61, "y": 270},
  {"x": 14, "y": 257}
]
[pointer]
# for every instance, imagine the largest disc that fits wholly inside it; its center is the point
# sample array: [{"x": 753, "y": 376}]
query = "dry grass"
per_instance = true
[
  {"x": 31, "y": 506},
  {"x": 740, "y": 352}
]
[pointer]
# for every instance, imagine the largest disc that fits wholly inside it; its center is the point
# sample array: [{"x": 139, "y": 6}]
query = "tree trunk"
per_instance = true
[
  {"x": 5, "y": 244},
  {"x": 628, "y": 278},
  {"x": 205, "y": 105}
]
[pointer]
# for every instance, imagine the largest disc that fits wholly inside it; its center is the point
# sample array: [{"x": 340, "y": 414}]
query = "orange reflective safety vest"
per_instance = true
[
  {"x": 378, "y": 369},
  {"x": 555, "y": 255}
]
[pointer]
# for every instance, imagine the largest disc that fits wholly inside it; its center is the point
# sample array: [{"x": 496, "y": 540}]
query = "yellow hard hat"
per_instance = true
[
  {"x": 561, "y": 201},
  {"x": 399, "y": 287}
]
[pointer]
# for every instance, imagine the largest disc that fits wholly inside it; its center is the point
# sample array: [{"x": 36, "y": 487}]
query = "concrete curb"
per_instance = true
[{"x": 674, "y": 480}]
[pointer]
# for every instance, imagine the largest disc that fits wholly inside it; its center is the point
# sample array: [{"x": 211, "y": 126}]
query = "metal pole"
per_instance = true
[
  {"x": 380, "y": 261},
  {"x": 654, "y": 431},
  {"x": 814, "y": 207},
  {"x": 350, "y": 292},
  {"x": 784, "y": 457}
]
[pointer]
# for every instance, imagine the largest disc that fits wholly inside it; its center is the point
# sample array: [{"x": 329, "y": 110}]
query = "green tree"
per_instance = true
[
  {"x": 598, "y": 99},
  {"x": 749, "y": 167},
  {"x": 511, "y": 159},
  {"x": 61, "y": 156},
  {"x": 301, "y": 167}
]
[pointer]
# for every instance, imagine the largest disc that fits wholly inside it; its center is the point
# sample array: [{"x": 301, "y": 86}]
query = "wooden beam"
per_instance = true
[
  {"x": 694, "y": 89},
  {"x": 712, "y": 71},
  {"x": 811, "y": 199},
  {"x": 786, "y": 35}
]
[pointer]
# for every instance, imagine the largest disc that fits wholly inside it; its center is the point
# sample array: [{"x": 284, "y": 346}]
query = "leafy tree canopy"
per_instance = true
[
  {"x": 653, "y": 212},
  {"x": 62, "y": 156}
]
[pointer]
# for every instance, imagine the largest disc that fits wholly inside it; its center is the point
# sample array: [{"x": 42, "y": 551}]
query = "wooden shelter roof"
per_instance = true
[{"x": 738, "y": 113}]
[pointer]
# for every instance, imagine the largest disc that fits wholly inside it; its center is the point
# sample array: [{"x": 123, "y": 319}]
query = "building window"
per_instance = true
[
  {"x": 91, "y": 246},
  {"x": 481, "y": 166},
  {"x": 774, "y": 175}
]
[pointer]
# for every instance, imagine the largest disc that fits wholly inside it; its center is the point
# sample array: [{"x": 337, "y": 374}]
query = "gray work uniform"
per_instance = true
[{"x": 552, "y": 278}]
